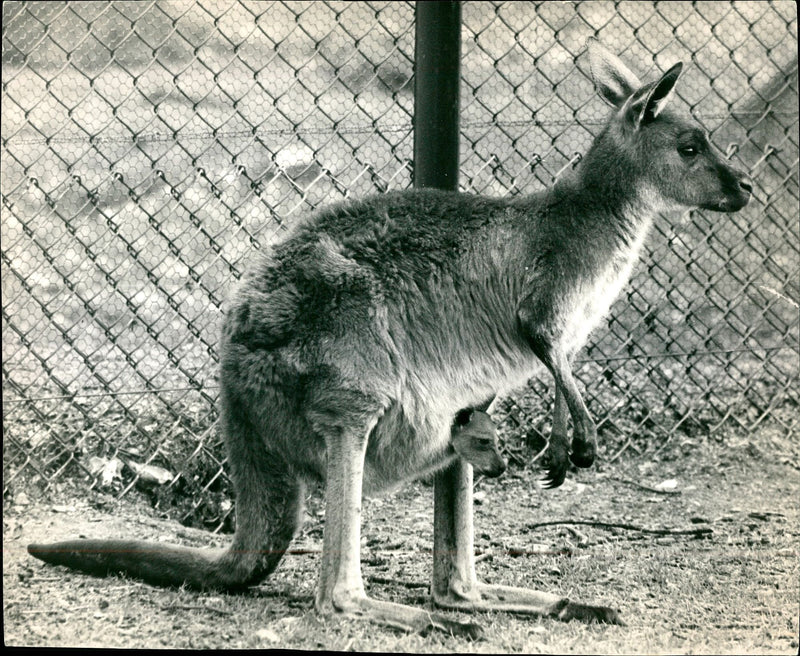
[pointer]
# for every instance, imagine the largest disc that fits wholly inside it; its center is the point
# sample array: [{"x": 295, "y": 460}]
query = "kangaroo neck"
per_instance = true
[{"x": 601, "y": 201}]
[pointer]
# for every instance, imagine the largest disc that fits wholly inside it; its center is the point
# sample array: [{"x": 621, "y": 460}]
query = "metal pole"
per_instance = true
[{"x": 437, "y": 75}]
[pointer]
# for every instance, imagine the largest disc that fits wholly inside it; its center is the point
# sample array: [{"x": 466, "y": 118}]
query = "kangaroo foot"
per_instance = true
[
  {"x": 528, "y": 602},
  {"x": 401, "y": 617}
]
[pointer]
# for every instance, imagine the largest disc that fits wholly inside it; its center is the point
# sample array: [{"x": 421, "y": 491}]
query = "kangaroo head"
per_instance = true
[{"x": 656, "y": 148}]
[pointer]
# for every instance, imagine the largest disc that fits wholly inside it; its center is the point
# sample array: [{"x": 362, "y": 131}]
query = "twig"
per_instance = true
[
  {"x": 302, "y": 551},
  {"x": 488, "y": 555},
  {"x": 645, "y": 487},
  {"x": 629, "y": 527},
  {"x": 732, "y": 625},
  {"x": 580, "y": 537},
  {"x": 764, "y": 514},
  {"x": 195, "y": 607}
]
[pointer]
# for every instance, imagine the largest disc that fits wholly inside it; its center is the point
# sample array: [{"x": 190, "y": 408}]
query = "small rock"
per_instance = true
[
  {"x": 109, "y": 469},
  {"x": 286, "y": 622},
  {"x": 96, "y": 464},
  {"x": 479, "y": 497},
  {"x": 151, "y": 473},
  {"x": 669, "y": 484},
  {"x": 22, "y": 499},
  {"x": 268, "y": 635}
]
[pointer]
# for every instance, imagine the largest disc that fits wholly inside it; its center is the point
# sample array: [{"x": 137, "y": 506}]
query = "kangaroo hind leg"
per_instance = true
[
  {"x": 455, "y": 583},
  {"x": 346, "y": 426}
]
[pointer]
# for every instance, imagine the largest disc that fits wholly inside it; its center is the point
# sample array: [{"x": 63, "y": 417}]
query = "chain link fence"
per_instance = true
[{"x": 148, "y": 148}]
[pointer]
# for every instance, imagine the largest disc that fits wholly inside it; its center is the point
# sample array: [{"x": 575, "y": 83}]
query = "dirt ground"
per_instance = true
[{"x": 721, "y": 577}]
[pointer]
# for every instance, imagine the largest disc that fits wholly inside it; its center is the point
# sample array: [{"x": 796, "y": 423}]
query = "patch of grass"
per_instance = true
[{"x": 736, "y": 591}]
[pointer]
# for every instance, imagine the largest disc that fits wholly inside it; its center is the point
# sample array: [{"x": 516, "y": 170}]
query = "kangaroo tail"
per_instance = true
[
  {"x": 266, "y": 520},
  {"x": 262, "y": 536},
  {"x": 151, "y": 562},
  {"x": 269, "y": 503}
]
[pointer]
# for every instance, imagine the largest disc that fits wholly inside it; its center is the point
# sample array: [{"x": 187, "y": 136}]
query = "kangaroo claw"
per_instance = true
[
  {"x": 553, "y": 479},
  {"x": 557, "y": 463}
]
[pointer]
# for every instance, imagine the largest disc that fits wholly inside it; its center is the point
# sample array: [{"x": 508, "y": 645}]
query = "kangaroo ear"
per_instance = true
[
  {"x": 614, "y": 81},
  {"x": 649, "y": 101}
]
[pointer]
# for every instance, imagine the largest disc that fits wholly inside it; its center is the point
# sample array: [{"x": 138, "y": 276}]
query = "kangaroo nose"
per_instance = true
[{"x": 746, "y": 185}]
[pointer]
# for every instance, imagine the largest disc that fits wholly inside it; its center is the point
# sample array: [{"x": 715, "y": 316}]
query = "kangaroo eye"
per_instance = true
[{"x": 688, "y": 151}]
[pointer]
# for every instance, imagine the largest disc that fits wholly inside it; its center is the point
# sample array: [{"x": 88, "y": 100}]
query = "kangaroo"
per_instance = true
[
  {"x": 349, "y": 349},
  {"x": 474, "y": 439}
]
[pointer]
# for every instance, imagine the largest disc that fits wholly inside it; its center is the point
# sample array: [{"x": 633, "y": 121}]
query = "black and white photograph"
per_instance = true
[{"x": 404, "y": 327}]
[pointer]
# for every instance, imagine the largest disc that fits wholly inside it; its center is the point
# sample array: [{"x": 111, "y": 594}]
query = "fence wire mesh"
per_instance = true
[{"x": 149, "y": 147}]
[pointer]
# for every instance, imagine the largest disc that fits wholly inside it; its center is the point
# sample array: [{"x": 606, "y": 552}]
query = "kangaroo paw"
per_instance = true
[
  {"x": 557, "y": 463},
  {"x": 583, "y": 452}
]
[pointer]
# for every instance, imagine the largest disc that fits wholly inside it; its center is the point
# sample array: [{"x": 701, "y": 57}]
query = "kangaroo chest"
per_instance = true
[{"x": 593, "y": 296}]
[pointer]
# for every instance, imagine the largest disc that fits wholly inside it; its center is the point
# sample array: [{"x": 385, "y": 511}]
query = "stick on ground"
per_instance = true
[{"x": 704, "y": 530}]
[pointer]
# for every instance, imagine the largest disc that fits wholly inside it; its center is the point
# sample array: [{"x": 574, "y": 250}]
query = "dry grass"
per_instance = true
[{"x": 734, "y": 592}]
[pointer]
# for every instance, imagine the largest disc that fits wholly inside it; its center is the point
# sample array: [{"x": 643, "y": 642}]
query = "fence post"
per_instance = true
[
  {"x": 436, "y": 85},
  {"x": 437, "y": 74}
]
